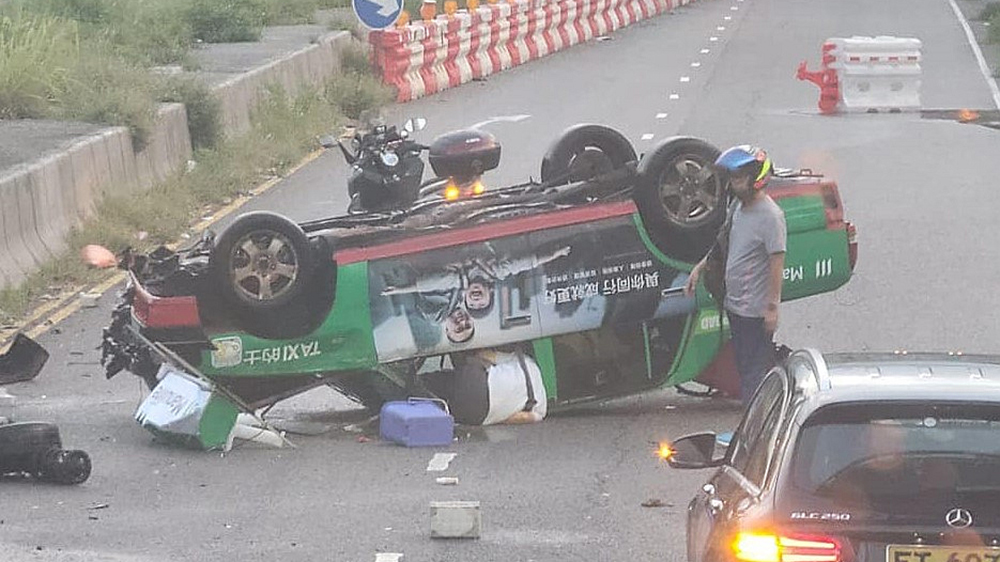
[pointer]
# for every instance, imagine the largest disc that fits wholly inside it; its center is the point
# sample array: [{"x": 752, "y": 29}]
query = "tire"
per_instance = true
[
  {"x": 583, "y": 152},
  {"x": 681, "y": 202},
  {"x": 306, "y": 312},
  {"x": 262, "y": 263}
]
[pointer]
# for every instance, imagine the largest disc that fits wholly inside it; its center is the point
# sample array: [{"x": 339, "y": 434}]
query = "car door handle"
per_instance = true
[{"x": 708, "y": 489}]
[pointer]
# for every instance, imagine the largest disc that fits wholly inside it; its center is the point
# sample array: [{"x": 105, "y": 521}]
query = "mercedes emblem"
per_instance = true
[{"x": 958, "y": 518}]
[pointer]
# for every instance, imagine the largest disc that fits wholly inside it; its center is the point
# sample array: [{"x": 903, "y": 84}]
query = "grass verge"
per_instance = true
[{"x": 284, "y": 130}]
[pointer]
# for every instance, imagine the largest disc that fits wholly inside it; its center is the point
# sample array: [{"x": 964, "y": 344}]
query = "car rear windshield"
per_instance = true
[{"x": 864, "y": 451}]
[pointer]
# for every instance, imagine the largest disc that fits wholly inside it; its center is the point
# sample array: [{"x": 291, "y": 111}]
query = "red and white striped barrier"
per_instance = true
[{"x": 425, "y": 57}]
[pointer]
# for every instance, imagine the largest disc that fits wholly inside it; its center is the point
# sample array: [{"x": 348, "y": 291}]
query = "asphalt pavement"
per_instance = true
[{"x": 922, "y": 193}]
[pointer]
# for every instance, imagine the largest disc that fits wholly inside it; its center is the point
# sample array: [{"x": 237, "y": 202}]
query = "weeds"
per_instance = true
[
  {"x": 283, "y": 129},
  {"x": 202, "y": 108},
  {"x": 989, "y": 11},
  {"x": 33, "y": 64}
]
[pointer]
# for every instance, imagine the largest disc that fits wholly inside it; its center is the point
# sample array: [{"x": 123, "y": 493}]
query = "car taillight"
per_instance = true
[
  {"x": 832, "y": 205},
  {"x": 770, "y": 547},
  {"x": 852, "y": 245},
  {"x": 164, "y": 312}
]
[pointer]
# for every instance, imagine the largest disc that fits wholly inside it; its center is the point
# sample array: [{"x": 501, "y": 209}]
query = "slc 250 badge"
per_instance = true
[{"x": 819, "y": 516}]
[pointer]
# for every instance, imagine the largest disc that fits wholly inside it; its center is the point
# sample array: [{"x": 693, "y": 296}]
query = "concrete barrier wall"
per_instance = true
[
  {"x": 429, "y": 56},
  {"x": 41, "y": 201},
  {"x": 312, "y": 65}
]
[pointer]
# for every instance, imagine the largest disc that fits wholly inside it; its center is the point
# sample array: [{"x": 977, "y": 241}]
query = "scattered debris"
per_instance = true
[
  {"x": 98, "y": 256},
  {"x": 388, "y": 556},
  {"x": 141, "y": 235},
  {"x": 23, "y": 361},
  {"x": 440, "y": 462},
  {"x": 98, "y": 506},
  {"x": 363, "y": 439},
  {"x": 653, "y": 502},
  {"x": 455, "y": 520},
  {"x": 89, "y": 300},
  {"x": 191, "y": 165},
  {"x": 605, "y": 38},
  {"x": 34, "y": 449},
  {"x": 447, "y": 481}
]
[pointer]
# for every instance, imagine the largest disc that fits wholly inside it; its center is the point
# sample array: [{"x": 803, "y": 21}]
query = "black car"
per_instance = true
[{"x": 855, "y": 458}]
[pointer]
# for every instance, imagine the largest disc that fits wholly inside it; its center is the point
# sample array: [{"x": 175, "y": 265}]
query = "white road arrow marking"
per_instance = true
[
  {"x": 500, "y": 119},
  {"x": 386, "y": 7}
]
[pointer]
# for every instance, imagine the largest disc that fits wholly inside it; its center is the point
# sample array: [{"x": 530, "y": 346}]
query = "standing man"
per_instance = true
[{"x": 755, "y": 262}]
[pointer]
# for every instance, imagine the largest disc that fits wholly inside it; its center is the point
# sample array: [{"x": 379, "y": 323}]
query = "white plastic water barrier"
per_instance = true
[{"x": 878, "y": 73}]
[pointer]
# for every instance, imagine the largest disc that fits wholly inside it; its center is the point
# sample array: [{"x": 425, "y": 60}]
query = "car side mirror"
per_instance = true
[
  {"x": 327, "y": 141},
  {"x": 413, "y": 125},
  {"x": 694, "y": 451}
]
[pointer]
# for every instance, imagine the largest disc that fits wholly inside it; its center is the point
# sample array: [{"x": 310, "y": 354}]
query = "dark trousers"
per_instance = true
[{"x": 754, "y": 350}]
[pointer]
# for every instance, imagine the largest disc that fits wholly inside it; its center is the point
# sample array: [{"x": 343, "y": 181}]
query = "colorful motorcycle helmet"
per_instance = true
[{"x": 746, "y": 159}]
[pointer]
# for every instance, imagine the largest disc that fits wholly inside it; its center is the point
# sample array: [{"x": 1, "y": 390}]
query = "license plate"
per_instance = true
[{"x": 920, "y": 553}]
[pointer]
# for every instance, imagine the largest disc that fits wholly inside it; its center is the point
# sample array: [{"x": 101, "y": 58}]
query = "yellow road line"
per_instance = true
[{"x": 49, "y": 314}]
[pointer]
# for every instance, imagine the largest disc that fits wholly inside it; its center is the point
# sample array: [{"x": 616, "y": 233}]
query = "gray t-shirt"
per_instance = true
[{"x": 758, "y": 231}]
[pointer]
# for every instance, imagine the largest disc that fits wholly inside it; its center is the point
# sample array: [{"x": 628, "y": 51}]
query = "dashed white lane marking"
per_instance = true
[
  {"x": 728, "y": 18},
  {"x": 661, "y": 115},
  {"x": 695, "y": 64},
  {"x": 734, "y": 8},
  {"x": 675, "y": 96},
  {"x": 685, "y": 78},
  {"x": 647, "y": 136},
  {"x": 720, "y": 28},
  {"x": 983, "y": 67},
  {"x": 388, "y": 556},
  {"x": 713, "y": 38},
  {"x": 440, "y": 462},
  {"x": 706, "y": 51}
]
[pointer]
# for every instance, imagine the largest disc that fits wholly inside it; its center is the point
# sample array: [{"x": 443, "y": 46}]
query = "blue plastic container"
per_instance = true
[{"x": 416, "y": 423}]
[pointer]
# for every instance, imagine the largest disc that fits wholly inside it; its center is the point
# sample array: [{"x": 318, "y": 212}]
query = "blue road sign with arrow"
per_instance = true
[{"x": 378, "y": 14}]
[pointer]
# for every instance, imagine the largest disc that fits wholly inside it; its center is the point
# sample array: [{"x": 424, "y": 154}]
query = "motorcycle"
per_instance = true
[{"x": 387, "y": 169}]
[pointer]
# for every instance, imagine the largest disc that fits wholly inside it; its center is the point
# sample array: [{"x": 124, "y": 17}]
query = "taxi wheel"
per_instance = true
[
  {"x": 680, "y": 198},
  {"x": 262, "y": 261},
  {"x": 281, "y": 284},
  {"x": 583, "y": 152}
]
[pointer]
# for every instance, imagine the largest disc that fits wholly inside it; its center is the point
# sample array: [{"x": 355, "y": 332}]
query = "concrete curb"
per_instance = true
[
  {"x": 311, "y": 65},
  {"x": 43, "y": 200},
  {"x": 425, "y": 57}
]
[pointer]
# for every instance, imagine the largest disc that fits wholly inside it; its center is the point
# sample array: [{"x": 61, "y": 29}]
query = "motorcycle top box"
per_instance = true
[{"x": 464, "y": 154}]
